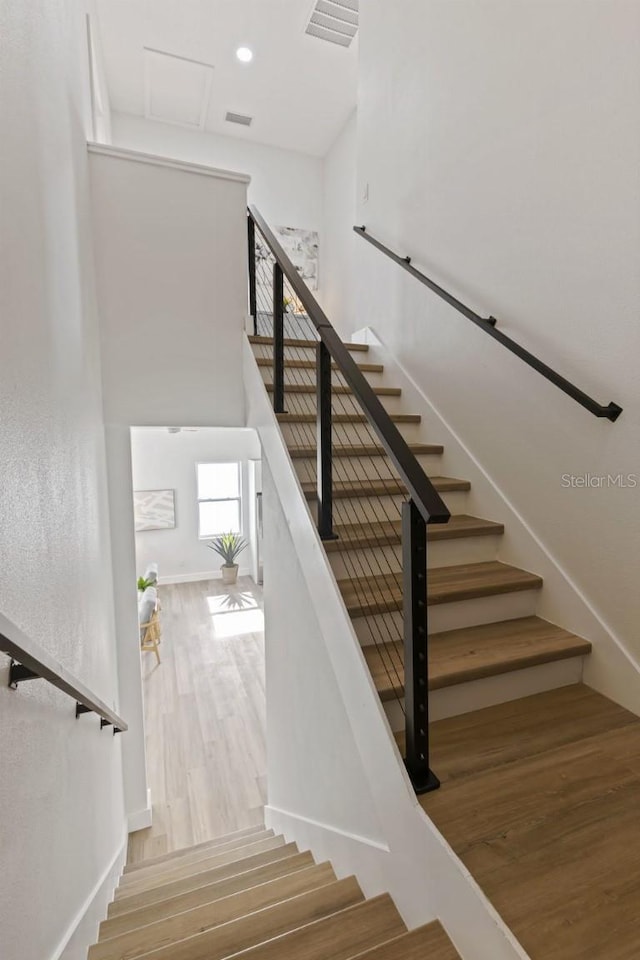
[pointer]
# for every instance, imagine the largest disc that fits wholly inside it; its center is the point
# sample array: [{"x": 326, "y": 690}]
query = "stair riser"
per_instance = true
[
  {"x": 239, "y": 839},
  {"x": 304, "y": 433},
  {"x": 441, "y": 553},
  {"x": 450, "y": 616},
  {"x": 364, "y": 468},
  {"x": 341, "y": 403},
  {"x": 117, "y": 926},
  {"x": 477, "y": 694},
  {"x": 302, "y": 352},
  {"x": 177, "y": 887},
  {"x": 183, "y": 924},
  {"x": 302, "y": 375},
  {"x": 178, "y": 870},
  {"x": 161, "y": 869},
  {"x": 361, "y": 509},
  {"x": 261, "y": 927}
]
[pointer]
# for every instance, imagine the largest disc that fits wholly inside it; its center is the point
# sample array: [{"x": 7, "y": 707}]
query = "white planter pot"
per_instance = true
[{"x": 229, "y": 574}]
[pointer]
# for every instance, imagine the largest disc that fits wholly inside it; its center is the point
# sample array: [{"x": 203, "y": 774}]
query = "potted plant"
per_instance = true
[{"x": 228, "y": 546}]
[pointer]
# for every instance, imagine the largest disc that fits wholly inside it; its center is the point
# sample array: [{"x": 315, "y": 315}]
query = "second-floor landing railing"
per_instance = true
[{"x": 30, "y": 661}]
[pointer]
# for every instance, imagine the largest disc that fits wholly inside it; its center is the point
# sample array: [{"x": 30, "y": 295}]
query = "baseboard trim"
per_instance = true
[
  {"x": 196, "y": 577},
  {"x": 141, "y": 819},
  {"x": 100, "y": 896},
  {"x": 272, "y": 811}
]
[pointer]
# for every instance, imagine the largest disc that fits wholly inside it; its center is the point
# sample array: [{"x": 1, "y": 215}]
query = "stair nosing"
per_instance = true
[
  {"x": 304, "y": 862},
  {"x": 354, "y": 489},
  {"x": 289, "y": 850},
  {"x": 184, "y": 857},
  {"x": 145, "y": 883},
  {"x": 389, "y": 582},
  {"x": 389, "y": 537},
  {"x": 356, "y": 451},
  {"x": 212, "y": 844},
  {"x": 568, "y": 646}
]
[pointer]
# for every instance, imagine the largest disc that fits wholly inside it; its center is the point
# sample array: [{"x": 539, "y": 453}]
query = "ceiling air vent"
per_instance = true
[
  {"x": 334, "y": 20},
  {"x": 238, "y": 118}
]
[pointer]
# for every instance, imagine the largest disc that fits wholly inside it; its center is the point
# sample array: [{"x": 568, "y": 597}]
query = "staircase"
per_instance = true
[
  {"x": 483, "y": 619},
  {"x": 253, "y": 894},
  {"x": 540, "y": 793}
]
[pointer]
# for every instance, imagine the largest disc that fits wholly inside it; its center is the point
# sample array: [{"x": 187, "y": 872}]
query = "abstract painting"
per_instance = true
[
  {"x": 301, "y": 246},
  {"x": 154, "y": 509}
]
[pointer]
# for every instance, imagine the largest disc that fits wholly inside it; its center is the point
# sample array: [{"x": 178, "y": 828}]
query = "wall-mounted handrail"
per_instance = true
[
  {"x": 610, "y": 412},
  {"x": 30, "y": 661},
  {"x": 428, "y": 501}
]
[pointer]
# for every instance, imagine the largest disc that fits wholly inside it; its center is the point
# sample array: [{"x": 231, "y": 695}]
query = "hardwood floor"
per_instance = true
[
  {"x": 539, "y": 799},
  {"x": 205, "y": 717}
]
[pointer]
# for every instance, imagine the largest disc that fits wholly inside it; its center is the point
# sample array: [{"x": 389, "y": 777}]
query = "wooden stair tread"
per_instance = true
[
  {"x": 467, "y": 581},
  {"x": 355, "y": 536},
  {"x": 429, "y": 942},
  {"x": 389, "y": 487},
  {"x": 361, "y": 450},
  {"x": 169, "y": 929},
  {"x": 345, "y": 417},
  {"x": 264, "y": 925},
  {"x": 241, "y": 886},
  {"x": 178, "y": 869},
  {"x": 312, "y": 364},
  {"x": 238, "y": 836},
  {"x": 458, "y": 656},
  {"x": 338, "y": 937},
  {"x": 167, "y": 891},
  {"x": 188, "y": 856},
  {"x": 309, "y": 344},
  {"x": 476, "y": 742},
  {"x": 337, "y": 388},
  {"x": 540, "y": 801}
]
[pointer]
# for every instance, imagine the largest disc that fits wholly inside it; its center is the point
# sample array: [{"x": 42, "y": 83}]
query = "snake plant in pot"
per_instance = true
[{"x": 228, "y": 546}]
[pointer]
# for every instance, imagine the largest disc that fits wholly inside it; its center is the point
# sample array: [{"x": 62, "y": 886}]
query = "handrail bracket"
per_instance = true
[{"x": 19, "y": 673}]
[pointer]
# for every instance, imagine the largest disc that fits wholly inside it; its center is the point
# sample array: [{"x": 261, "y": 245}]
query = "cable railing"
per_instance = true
[
  {"x": 610, "y": 411},
  {"x": 372, "y": 497},
  {"x": 30, "y": 661}
]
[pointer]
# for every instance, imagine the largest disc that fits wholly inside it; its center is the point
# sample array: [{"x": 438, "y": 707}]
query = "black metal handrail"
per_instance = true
[
  {"x": 30, "y": 661},
  {"x": 610, "y": 412},
  {"x": 423, "y": 493}
]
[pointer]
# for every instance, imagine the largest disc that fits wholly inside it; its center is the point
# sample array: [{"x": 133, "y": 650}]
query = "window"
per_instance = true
[{"x": 219, "y": 499}]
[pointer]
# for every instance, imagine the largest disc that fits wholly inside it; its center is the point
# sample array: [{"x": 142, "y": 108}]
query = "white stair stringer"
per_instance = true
[{"x": 372, "y": 825}]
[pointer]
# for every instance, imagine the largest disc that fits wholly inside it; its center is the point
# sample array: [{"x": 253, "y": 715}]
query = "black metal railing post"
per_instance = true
[
  {"x": 278, "y": 339},
  {"x": 325, "y": 465},
  {"x": 251, "y": 246},
  {"x": 416, "y": 664}
]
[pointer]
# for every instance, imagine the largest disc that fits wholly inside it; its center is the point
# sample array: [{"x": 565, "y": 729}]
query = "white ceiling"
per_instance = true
[{"x": 298, "y": 89}]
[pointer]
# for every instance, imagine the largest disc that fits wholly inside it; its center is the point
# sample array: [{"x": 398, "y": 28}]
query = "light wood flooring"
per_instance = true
[{"x": 205, "y": 717}]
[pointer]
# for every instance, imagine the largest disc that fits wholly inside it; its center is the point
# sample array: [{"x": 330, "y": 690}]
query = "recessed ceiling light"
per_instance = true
[{"x": 244, "y": 54}]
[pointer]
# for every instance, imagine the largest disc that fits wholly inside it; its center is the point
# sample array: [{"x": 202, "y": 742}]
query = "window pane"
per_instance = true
[
  {"x": 218, "y": 480},
  {"x": 219, "y": 518}
]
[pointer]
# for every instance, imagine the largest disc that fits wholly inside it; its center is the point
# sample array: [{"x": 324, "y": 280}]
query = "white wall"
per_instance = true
[
  {"x": 167, "y": 461},
  {"x": 285, "y": 185},
  {"x": 501, "y": 146},
  {"x": 339, "y": 217},
  {"x": 61, "y": 794},
  {"x": 170, "y": 242}
]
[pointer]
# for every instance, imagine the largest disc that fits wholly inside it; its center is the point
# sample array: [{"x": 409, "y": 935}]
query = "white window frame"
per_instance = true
[{"x": 199, "y": 500}]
